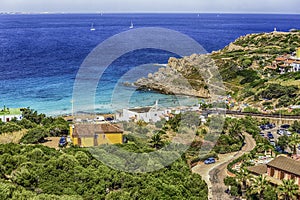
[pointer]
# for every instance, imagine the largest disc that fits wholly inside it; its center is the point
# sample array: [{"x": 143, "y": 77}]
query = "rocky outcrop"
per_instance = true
[{"x": 187, "y": 76}]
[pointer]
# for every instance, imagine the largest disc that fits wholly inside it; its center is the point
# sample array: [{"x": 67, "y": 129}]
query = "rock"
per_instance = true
[{"x": 180, "y": 76}]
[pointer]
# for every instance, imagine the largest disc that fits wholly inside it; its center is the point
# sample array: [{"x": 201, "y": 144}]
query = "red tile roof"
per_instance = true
[
  {"x": 92, "y": 129},
  {"x": 286, "y": 164},
  {"x": 258, "y": 170},
  {"x": 280, "y": 59}
]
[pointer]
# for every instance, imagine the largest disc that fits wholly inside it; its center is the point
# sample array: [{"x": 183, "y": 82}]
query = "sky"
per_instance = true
[{"x": 124, "y": 6}]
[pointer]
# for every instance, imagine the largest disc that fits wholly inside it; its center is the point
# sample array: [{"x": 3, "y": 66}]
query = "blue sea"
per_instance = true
[{"x": 41, "y": 54}]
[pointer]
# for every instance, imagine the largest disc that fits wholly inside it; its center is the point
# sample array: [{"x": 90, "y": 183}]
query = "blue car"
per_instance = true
[
  {"x": 285, "y": 126},
  {"x": 270, "y": 136},
  {"x": 209, "y": 161},
  {"x": 62, "y": 142}
]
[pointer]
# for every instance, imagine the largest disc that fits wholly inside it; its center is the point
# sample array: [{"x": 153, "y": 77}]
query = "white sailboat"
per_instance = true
[
  {"x": 92, "y": 27},
  {"x": 131, "y": 26}
]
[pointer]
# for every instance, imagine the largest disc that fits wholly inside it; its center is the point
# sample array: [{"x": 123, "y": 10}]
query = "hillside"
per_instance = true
[{"x": 243, "y": 67}]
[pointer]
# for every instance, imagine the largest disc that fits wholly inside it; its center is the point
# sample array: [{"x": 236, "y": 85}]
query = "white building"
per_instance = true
[
  {"x": 146, "y": 114},
  {"x": 7, "y": 114},
  {"x": 296, "y": 66}
]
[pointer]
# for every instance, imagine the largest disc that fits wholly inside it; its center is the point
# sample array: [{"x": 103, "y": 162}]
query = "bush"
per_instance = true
[
  {"x": 9, "y": 127},
  {"x": 251, "y": 110},
  {"x": 277, "y": 91},
  {"x": 25, "y": 123},
  {"x": 247, "y": 62},
  {"x": 249, "y": 76},
  {"x": 34, "y": 136},
  {"x": 75, "y": 174}
]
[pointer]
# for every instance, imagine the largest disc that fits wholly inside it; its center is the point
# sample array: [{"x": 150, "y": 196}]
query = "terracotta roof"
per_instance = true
[
  {"x": 284, "y": 66},
  {"x": 259, "y": 169},
  {"x": 92, "y": 129},
  {"x": 280, "y": 59},
  {"x": 290, "y": 61},
  {"x": 286, "y": 164}
]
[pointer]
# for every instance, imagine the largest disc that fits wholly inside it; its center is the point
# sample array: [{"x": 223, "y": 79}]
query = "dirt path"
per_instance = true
[
  {"x": 51, "y": 142},
  {"x": 214, "y": 174}
]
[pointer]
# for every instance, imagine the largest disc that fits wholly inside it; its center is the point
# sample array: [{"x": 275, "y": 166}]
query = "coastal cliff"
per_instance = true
[
  {"x": 242, "y": 67},
  {"x": 181, "y": 77}
]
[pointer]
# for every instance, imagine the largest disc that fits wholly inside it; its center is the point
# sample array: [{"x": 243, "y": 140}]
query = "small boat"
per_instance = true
[
  {"x": 92, "y": 27},
  {"x": 131, "y": 26}
]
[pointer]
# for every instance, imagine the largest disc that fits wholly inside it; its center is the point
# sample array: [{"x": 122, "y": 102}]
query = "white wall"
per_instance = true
[
  {"x": 151, "y": 116},
  {"x": 6, "y": 118}
]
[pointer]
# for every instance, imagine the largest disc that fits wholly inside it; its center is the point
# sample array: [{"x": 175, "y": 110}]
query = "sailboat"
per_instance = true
[
  {"x": 131, "y": 26},
  {"x": 92, "y": 27}
]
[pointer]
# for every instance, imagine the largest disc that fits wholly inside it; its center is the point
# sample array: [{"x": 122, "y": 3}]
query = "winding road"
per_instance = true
[{"x": 214, "y": 174}]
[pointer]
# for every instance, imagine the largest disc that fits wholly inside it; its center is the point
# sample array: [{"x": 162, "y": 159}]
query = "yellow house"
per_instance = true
[
  {"x": 89, "y": 135},
  {"x": 298, "y": 53}
]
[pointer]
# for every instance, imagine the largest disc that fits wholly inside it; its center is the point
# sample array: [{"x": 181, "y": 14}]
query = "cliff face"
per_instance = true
[
  {"x": 186, "y": 76},
  {"x": 241, "y": 65}
]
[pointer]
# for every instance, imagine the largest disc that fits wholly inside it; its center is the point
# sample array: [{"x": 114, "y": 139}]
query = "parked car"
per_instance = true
[
  {"x": 288, "y": 133},
  {"x": 262, "y": 134},
  {"x": 262, "y": 127},
  {"x": 273, "y": 143},
  {"x": 279, "y": 150},
  {"x": 285, "y": 126},
  {"x": 267, "y": 126},
  {"x": 62, "y": 142},
  {"x": 280, "y": 131},
  {"x": 209, "y": 161},
  {"x": 270, "y": 135},
  {"x": 271, "y": 126}
]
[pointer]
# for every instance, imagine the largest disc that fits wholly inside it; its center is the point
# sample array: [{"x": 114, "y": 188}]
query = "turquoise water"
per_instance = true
[{"x": 41, "y": 54}]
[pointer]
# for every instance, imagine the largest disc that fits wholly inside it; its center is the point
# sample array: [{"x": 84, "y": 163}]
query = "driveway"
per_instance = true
[{"x": 214, "y": 174}]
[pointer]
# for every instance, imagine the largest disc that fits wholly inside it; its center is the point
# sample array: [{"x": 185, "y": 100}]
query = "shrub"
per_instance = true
[
  {"x": 9, "y": 127},
  {"x": 34, "y": 136}
]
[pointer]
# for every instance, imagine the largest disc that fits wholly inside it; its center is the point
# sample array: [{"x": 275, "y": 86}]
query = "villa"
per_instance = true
[
  {"x": 278, "y": 169},
  {"x": 7, "y": 114},
  {"x": 90, "y": 135},
  {"x": 286, "y": 63},
  {"x": 283, "y": 168},
  {"x": 146, "y": 114}
]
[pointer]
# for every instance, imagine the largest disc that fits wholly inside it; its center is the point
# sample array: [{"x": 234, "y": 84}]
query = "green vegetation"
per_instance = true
[
  {"x": 259, "y": 187},
  {"x": 242, "y": 67},
  {"x": 231, "y": 139},
  {"x": 38, "y": 127},
  {"x": 277, "y": 91},
  {"x": 38, "y": 172}
]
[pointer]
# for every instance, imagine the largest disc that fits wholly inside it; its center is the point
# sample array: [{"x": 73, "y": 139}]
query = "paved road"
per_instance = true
[{"x": 214, "y": 174}]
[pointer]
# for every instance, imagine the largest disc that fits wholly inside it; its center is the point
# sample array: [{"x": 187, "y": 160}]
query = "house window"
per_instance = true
[
  {"x": 272, "y": 172},
  {"x": 282, "y": 174},
  {"x": 293, "y": 177}
]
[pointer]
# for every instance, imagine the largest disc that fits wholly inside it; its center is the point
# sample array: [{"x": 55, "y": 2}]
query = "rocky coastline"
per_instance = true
[{"x": 188, "y": 76}]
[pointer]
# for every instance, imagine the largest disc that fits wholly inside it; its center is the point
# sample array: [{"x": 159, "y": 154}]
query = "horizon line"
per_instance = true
[{"x": 146, "y": 12}]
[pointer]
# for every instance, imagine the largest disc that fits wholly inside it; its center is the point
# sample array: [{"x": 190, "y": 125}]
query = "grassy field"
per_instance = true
[{"x": 14, "y": 137}]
